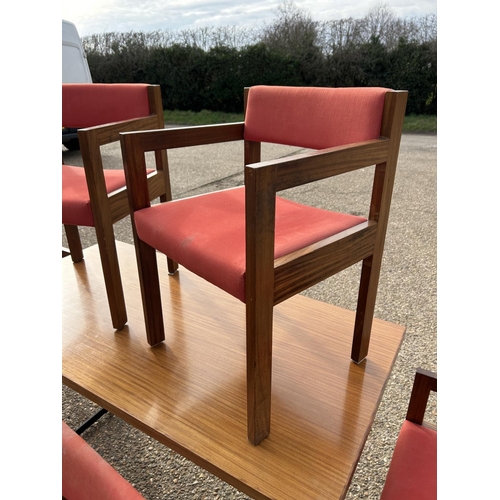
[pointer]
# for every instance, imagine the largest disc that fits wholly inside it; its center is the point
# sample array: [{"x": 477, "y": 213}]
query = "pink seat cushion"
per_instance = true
[
  {"x": 413, "y": 471},
  {"x": 314, "y": 117},
  {"x": 75, "y": 194},
  {"x": 206, "y": 234},
  {"x": 86, "y": 475}
]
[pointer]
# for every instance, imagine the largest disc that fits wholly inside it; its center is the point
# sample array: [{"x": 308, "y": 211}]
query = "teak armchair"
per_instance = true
[
  {"x": 257, "y": 246},
  {"x": 94, "y": 196},
  {"x": 413, "y": 471}
]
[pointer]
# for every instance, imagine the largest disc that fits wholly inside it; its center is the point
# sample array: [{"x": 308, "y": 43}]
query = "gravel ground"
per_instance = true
[{"x": 407, "y": 296}]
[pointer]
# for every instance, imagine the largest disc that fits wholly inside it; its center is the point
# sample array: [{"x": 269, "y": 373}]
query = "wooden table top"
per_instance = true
[{"x": 189, "y": 392}]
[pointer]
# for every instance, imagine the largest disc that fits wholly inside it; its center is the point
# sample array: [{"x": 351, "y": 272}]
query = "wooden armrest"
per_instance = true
[
  {"x": 181, "y": 137},
  {"x": 424, "y": 382},
  {"x": 317, "y": 165},
  {"x": 205, "y": 134},
  {"x": 109, "y": 132}
]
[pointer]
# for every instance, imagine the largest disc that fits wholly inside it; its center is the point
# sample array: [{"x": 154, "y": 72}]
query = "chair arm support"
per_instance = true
[
  {"x": 424, "y": 382},
  {"x": 264, "y": 179},
  {"x": 136, "y": 144},
  {"x": 91, "y": 138},
  {"x": 316, "y": 165}
]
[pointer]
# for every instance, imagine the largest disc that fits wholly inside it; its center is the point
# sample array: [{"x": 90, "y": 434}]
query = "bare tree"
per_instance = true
[
  {"x": 380, "y": 22},
  {"x": 339, "y": 34},
  {"x": 293, "y": 32}
]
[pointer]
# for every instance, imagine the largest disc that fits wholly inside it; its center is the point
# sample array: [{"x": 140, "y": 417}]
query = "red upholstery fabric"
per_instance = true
[
  {"x": 299, "y": 116},
  {"x": 413, "y": 471},
  {"x": 90, "y": 104},
  {"x": 75, "y": 194},
  {"x": 206, "y": 234},
  {"x": 87, "y": 476}
]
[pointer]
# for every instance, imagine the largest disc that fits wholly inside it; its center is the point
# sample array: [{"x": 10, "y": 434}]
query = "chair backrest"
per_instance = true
[
  {"x": 313, "y": 117},
  {"x": 90, "y": 104},
  {"x": 101, "y": 112}
]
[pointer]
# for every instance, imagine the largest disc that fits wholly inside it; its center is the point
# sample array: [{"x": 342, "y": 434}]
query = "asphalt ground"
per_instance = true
[{"x": 407, "y": 295}]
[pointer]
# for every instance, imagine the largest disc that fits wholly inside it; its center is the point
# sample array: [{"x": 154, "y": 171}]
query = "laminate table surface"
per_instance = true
[{"x": 189, "y": 392}]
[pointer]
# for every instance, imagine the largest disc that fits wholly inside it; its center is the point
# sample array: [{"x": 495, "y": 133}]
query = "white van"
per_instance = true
[{"x": 75, "y": 69}]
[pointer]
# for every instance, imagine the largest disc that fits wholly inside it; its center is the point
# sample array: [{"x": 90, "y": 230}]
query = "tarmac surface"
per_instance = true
[{"x": 407, "y": 296}]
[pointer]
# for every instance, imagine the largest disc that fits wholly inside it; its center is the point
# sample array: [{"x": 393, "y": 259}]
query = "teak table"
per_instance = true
[{"x": 189, "y": 392}]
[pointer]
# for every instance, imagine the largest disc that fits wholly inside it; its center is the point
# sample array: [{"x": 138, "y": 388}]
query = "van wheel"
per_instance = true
[{"x": 72, "y": 145}]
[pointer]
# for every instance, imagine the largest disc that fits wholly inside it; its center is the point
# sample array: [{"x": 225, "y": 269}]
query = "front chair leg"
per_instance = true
[{"x": 259, "y": 369}]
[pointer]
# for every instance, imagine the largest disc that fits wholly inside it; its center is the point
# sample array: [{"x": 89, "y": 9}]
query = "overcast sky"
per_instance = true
[{"x": 100, "y": 16}]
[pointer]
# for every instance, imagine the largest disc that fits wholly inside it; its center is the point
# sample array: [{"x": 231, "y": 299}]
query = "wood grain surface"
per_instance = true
[{"x": 189, "y": 391}]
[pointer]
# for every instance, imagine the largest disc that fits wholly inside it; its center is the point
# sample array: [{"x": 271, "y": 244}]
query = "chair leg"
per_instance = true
[
  {"x": 150, "y": 292},
  {"x": 367, "y": 296},
  {"x": 259, "y": 315},
  {"x": 172, "y": 266},
  {"x": 74, "y": 242},
  {"x": 112, "y": 277}
]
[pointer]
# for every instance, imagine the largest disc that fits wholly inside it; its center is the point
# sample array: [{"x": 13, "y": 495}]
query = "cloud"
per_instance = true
[{"x": 99, "y": 16}]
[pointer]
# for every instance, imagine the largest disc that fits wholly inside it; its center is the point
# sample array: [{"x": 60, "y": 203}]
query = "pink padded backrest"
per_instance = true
[
  {"x": 313, "y": 117},
  {"x": 90, "y": 104}
]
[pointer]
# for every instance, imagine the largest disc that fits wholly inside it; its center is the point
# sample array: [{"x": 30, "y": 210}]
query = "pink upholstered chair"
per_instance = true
[
  {"x": 87, "y": 476},
  {"x": 94, "y": 196},
  {"x": 257, "y": 246},
  {"x": 413, "y": 471}
]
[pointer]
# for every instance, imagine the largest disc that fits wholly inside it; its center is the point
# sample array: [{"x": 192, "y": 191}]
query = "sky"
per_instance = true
[{"x": 101, "y": 16}]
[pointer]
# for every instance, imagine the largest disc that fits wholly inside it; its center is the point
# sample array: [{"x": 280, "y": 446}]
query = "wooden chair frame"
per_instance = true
[
  {"x": 278, "y": 279},
  {"x": 110, "y": 208},
  {"x": 424, "y": 383}
]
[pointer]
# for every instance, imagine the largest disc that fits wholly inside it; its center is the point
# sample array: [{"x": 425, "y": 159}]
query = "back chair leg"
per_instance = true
[
  {"x": 150, "y": 292},
  {"x": 370, "y": 272},
  {"x": 172, "y": 266},
  {"x": 74, "y": 242}
]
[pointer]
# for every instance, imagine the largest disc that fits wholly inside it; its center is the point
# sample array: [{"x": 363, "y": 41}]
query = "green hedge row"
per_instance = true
[{"x": 194, "y": 79}]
